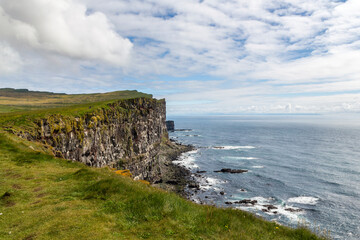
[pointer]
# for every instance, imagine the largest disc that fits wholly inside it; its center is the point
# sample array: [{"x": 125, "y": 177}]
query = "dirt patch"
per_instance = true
[
  {"x": 9, "y": 204},
  {"x": 38, "y": 189},
  {"x": 16, "y": 186},
  {"x": 30, "y": 237},
  {"x": 15, "y": 175},
  {"x": 41, "y": 195},
  {"x": 5, "y": 199},
  {"x": 36, "y": 202}
]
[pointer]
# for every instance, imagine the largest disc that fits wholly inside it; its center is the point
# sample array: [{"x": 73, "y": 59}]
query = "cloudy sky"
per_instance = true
[{"x": 204, "y": 56}]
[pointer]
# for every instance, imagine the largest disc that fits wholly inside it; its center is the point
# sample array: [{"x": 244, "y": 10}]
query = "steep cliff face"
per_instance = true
[{"x": 123, "y": 134}]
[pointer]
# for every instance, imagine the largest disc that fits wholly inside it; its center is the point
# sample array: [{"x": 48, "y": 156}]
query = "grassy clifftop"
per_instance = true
[
  {"x": 15, "y": 100},
  {"x": 20, "y": 108},
  {"x": 43, "y": 197}
]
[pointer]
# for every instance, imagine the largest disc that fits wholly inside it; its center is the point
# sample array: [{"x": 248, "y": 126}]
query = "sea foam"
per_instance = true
[
  {"x": 187, "y": 160},
  {"x": 232, "y": 147},
  {"x": 241, "y": 158},
  {"x": 304, "y": 200}
]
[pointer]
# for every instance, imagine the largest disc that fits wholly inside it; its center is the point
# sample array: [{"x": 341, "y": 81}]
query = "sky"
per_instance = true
[{"x": 203, "y": 57}]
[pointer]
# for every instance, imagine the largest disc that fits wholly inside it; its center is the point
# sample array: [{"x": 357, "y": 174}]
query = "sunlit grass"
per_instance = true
[{"x": 12, "y": 100}]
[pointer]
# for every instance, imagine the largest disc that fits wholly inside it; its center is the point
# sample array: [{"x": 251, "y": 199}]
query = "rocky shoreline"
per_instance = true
[
  {"x": 188, "y": 184},
  {"x": 174, "y": 178}
]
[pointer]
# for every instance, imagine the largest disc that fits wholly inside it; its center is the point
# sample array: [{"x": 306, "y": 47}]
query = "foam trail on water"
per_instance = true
[
  {"x": 304, "y": 200},
  {"x": 241, "y": 158},
  {"x": 232, "y": 147}
]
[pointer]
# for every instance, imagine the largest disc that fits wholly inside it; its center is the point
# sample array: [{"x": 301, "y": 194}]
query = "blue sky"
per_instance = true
[{"x": 204, "y": 57}]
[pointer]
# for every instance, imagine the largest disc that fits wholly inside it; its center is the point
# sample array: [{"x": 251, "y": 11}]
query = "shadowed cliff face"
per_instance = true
[{"x": 124, "y": 134}]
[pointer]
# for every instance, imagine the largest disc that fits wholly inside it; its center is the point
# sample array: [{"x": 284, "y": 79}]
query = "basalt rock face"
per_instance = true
[{"x": 125, "y": 134}]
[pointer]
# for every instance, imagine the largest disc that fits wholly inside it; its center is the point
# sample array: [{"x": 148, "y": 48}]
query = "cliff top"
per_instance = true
[
  {"x": 20, "y": 108},
  {"x": 15, "y": 100}
]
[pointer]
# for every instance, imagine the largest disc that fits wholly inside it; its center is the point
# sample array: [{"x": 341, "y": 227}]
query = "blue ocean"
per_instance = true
[{"x": 306, "y": 168}]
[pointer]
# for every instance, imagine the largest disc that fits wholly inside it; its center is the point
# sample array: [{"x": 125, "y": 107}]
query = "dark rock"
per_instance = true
[
  {"x": 193, "y": 185},
  {"x": 200, "y": 171},
  {"x": 246, "y": 201},
  {"x": 222, "y": 193},
  {"x": 270, "y": 207},
  {"x": 170, "y": 125},
  {"x": 172, "y": 182},
  {"x": 229, "y": 170},
  {"x": 293, "y": 210},
  {"x": 229, "y": 203}
]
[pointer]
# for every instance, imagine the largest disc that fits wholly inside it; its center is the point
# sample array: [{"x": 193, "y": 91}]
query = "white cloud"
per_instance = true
[
  {"x": 10, "y": 60},
  {"x": 266, "y": 56},
  {"x": 62, "y": 27}
]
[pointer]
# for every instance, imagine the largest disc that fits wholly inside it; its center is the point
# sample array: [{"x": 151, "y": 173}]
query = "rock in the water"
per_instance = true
[
  {"x": 194, "y": 185},
  {"x": 270, "y": 207},
  {"x": 246, "y": 201},
  {"x": 170, "y": 125},
  {"x": 222, "y": 193},
  {"x": 200, "y": 171},
  {"x": 229, "y": 203},
  {"x": 229, "y": 170},
  {"x": 293, "y": 209}
]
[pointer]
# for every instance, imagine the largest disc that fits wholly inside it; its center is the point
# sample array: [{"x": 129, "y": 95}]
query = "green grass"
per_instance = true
[
  {"x": 14, "y": 100},
  {"x": 42, "y": 197}
]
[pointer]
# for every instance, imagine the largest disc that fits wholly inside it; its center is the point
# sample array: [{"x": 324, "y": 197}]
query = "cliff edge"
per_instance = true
[{"x": 122, "y": 134}]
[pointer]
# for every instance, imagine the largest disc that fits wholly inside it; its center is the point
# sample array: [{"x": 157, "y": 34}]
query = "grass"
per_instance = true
[
  {"x": 15, "y": 100},
  {"x": 42, "y": 197}
]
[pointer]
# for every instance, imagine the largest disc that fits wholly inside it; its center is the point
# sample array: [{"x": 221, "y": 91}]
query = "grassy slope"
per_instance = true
[
  {"x": 49, "y": 198},
  {"x": 44, "y": 197}
]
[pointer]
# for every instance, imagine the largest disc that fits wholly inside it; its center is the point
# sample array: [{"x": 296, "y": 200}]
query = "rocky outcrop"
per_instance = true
[
  {"x": 228, "y": 170},
  {"x": 170, "y": 125},
  {"x": 125, "y": 134}
]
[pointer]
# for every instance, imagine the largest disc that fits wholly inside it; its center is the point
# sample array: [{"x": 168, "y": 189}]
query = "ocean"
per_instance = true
[{"x": 307, "y": 169}]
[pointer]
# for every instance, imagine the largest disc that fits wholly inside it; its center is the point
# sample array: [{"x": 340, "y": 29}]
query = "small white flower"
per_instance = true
[
  {"x": 0, "y": 213},
  {"x": 10, "y": 232},
  {"x": 22, "y": 211}
]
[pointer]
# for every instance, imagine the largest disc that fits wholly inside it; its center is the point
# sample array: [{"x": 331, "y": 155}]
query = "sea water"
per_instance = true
[{"x": 310, "y": 166}]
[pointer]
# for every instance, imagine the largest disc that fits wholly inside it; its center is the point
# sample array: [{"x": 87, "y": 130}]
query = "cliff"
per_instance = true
[{"x": 123, "y": 134}]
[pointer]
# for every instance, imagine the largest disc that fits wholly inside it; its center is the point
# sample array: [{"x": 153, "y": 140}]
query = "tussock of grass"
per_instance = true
[{"x": 42, "y": 197}]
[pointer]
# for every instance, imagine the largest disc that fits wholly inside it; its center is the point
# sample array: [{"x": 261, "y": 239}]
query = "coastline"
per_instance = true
[{"x": 174, "y": 178}]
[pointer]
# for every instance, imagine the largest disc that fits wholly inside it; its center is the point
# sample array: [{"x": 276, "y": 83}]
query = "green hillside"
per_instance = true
[
  {"x": 43, "y": 197},
  {"x": 14, "y": 100}
]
